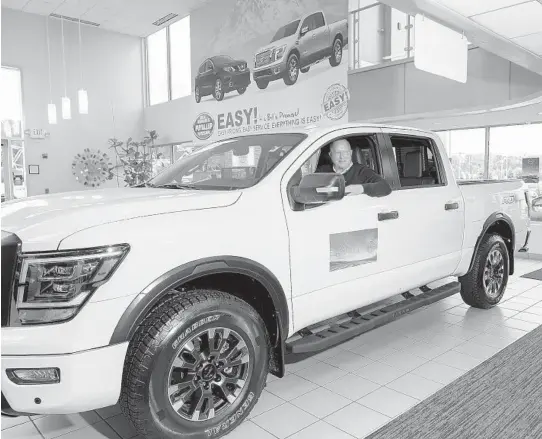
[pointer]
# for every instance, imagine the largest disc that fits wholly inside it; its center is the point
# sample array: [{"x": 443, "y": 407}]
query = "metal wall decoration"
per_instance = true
[{"x": 92, "y": 167}]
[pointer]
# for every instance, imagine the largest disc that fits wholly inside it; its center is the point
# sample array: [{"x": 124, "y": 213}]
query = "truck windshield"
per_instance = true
[
  {"x": 229, "y": 164},
  {"x": 286, "y": 31}
]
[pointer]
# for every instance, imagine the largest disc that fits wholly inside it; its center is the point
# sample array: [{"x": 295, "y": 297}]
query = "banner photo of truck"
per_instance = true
[{"x": 262, "y": 66}]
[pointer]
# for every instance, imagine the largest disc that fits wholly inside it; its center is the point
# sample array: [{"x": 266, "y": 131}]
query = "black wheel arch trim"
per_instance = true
[
  {"x": 492, "y": 220},
  {"x": 146, "y": 299}
]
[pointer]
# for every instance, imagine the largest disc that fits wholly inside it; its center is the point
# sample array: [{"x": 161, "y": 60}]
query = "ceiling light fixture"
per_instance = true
[
  {"x": 51, "y": 107},
  {"x": 66, "y": 104},
  {"x": 82, "y": 96}
]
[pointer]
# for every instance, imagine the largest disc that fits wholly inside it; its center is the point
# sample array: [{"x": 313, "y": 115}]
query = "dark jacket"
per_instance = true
[{"x": 373, "y": 184}]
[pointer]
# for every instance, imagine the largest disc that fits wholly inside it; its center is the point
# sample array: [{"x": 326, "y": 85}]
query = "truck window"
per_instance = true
[
  {"x": 308, "y": 22},
  {"x": 286, "y": 31},
  {"x": 202, "y": 67},
  {"x": 416, "y": 162},
  {"x": 318, "y": 20}
]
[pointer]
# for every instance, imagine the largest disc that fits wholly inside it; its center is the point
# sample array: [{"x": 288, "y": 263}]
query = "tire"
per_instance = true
[
  {"x": 179, "y": 325},
  {"x": 241, "y": 90},
  {"x": 262, "y": 85},
  {"x": 197, "y": 94},
  {"x": 477, "y": 289},
  {"x": 336, "y": 53},
  {"x": 218, "y": 90},
  {"x": 292, "y": 70},
  {"x": 305, "y": 70}
]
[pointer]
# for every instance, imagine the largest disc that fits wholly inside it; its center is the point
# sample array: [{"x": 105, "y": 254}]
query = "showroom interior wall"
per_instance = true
[
  {"x": 400, "y": 89},
  {"x": 112, "y": 75}
]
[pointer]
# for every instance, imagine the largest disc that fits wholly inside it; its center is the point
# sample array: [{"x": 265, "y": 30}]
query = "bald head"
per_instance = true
[{"x": 341, "y": 154}]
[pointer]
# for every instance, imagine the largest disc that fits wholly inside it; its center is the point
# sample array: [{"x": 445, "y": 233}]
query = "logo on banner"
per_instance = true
[
  {"x": 204, "y": 126},
  {"x": 335, "y": 102}
]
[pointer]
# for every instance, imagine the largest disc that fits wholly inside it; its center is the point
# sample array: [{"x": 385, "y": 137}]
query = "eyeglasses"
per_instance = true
[{"x": 341, "y": 153}]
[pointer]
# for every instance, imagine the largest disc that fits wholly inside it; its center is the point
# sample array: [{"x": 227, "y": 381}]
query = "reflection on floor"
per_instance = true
[{"x": 351, "y": 390}]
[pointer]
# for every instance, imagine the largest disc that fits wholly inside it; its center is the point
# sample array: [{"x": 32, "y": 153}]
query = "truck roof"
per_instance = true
[{"x": 319, "y": 131}]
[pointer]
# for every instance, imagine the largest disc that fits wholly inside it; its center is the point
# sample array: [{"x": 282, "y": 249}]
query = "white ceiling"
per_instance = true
[
  {"x": 519, "y": 21},
  {"x": 132, "y": 17}
]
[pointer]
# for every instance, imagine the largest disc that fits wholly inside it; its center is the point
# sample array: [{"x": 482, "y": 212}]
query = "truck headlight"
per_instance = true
[
  {"x": 278, "y": 53},
  {"x": 53, "y": 286}
]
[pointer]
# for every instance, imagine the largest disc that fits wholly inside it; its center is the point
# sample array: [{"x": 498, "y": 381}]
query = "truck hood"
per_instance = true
[
  {"x": 289, "y": 41},
  {"x": 42, "y": 222}
]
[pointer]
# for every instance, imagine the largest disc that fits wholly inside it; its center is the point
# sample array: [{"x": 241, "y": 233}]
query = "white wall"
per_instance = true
[
  {"x": 172, "y": 120},
  {"x": 112, "y": 74}
]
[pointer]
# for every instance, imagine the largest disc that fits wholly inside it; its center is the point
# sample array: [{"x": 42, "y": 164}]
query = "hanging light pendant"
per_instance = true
[
  {"x": 82, "y": 96},
  {"x": 66, "y": 104},
  {"x": 51, "y": 107}
]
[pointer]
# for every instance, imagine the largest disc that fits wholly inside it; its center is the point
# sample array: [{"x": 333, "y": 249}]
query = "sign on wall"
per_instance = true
[{"x": 262, "y": 66}]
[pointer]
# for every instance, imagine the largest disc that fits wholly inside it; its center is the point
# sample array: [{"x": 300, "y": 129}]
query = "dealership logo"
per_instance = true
[
  {"x": 335, "y": 102},
  {"x": 204, "y": 126}
]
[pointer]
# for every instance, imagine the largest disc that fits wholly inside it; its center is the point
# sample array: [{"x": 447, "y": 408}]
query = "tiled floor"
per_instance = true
[{"x": 351, "y": 390}]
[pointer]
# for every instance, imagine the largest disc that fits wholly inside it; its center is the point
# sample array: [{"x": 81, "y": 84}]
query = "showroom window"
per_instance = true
[
  {"x": 169, "y": 73},
  {"x": 466, "y": 150},
  {"x": 515, "y": 151}
]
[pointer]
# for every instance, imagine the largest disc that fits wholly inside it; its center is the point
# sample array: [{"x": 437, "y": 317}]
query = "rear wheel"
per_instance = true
[
  {"x": 196, "y": 366},
  {"x": 336, "y": 53},
  {"x": 484, "y": 286}
]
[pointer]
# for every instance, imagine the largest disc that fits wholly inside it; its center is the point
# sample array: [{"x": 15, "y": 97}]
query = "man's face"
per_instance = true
[{"x": 341, "y": 155}]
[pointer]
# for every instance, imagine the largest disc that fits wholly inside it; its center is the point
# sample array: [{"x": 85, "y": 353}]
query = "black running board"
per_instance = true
[{"x": 339, "y": 333}]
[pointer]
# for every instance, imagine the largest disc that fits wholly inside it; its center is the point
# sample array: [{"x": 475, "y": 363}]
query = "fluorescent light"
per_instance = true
[
  {"x": 83, "y": 101},
  {"x": 66, "y": 108},
  {"x": 51, "y": 113}
]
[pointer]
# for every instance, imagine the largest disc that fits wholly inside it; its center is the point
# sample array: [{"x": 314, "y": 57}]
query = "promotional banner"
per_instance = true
[{"x": 261, "y": 66}]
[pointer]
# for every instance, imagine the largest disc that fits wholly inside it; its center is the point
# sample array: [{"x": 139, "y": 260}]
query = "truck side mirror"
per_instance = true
[
  {"x": 319, "y": 188},
  {"x": 537, "y": 204},
  {"x": 304, "y": 31}
]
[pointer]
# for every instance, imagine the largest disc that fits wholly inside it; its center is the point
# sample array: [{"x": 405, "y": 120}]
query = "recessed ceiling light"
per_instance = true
[{"x": 540, "y": 114}]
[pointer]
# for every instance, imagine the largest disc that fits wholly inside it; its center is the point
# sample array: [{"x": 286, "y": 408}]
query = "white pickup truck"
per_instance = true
[{"x": 178, "y": 297}]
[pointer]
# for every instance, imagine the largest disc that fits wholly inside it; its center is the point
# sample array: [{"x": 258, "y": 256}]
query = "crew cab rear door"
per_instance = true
[
  {"x": 335, "y": 246},
  {"x": 429, "y": 205}
]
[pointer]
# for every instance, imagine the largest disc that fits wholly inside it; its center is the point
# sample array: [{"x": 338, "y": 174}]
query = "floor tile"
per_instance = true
[
  {"x": 57, "y": 425},
  {"x": 290, "y": 387},
  {"x": 352, "y": 386},
  {"x": 8, "y": 422},
  {"x": 267, "y": 402},
  {"x": 388, "y": 402},
  {"x": 329, "y": 352},
  {"x": 403, "y": 360},
  {"x": 513, "y": 305},
  {"x": 303, "y": 364},
  {"x": 521, "y": 324},
  {"x": 122, "y": 426},
  {"x": 451, "y": 318},
  {"x": 380, "y": 373},
  {"x": 322, "y": 430},
  {"x": 357, "y": 420},
  {"x": 528, "y": 317},
  {"x": 440, "y": 373},
  {"x": 415, "y": 386},
  {"x": 321, "y": 373},
  {"x": 100, "y": 430},
  {"x": 374, "y": 351},
  {"x": 527, "y": 300},
  {"x": 444, "y": 340},
  {"x": 109, "y": 412},
  {"x": 21, "y": 431},
  {"x": 321, "y": 402},
  {"x": 249, "y": 430},
  {"x": 284, "y": 420},
  {"x": 460, "y": 332},
  {"x": 427, "y": 350},
  {"x": 492, "y": 340},
  {"x": 348, "y": 361},
  {"x": 535, "y": 310},
  {"x": 458, "y": 360},
  {"x": 506, "y": 332},
  {"x": 477, "y": 350}
]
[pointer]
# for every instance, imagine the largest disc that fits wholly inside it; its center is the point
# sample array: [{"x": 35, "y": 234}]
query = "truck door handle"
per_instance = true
[
  {"x": 386, "y": 216},
  {"x": 451, "y": 206}
]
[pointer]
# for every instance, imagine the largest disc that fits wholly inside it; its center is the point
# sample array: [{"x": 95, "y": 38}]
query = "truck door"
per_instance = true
[
  {"x": 429, "y": 206},
  {"x": 307, "y": 41},
  {"x": 339, "y": 251},
  {"x": 321, "y": 36}
]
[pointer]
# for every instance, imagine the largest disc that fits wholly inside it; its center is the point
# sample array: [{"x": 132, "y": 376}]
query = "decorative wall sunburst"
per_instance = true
[{"x": 92, "y": 167}]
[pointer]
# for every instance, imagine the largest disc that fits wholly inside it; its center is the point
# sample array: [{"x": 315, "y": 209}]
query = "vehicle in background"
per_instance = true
[
  {"x": 219, "y": 75},
  {"x": 297, "y": 46},
  {"x": 178, "y": 297}
]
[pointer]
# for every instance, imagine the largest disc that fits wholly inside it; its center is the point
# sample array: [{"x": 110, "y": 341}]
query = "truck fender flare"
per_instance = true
[
  {"x": 492, "y": 220},
  {"x": 146, "y": 299},
  {"x": 296, "y": 51}
]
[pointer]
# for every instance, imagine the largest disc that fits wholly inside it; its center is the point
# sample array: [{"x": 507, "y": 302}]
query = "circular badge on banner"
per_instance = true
[
  {"x": 204, "y": 126},
  {"x": 335, "y": 102}
]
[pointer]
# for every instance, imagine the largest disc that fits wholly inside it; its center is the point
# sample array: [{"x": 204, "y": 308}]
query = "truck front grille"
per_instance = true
[
  {"x": 263, "y": 58},
  {"x": 11, "y": 246}
]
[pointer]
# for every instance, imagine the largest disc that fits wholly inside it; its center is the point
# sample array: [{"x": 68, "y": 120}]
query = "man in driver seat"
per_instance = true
[{"x": 359, "y": 179}]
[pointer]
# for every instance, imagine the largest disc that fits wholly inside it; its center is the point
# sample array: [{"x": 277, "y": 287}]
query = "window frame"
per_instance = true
[
  {"x": 319, "y": 14},
  {"x": 441, "y": 171}
]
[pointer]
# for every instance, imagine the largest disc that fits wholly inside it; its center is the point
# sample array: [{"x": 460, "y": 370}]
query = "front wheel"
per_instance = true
[
  {"x": 292, "y": 70},
  {"x": 196, "y": 366},
  {"x": 241, "y": 90},
  {"x": 484, "y": 286},
  {"x": 262, "y": 84},
  {"x": 218, "y": 91},
  {"x": 197, "y": 94}
]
